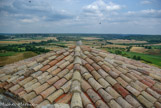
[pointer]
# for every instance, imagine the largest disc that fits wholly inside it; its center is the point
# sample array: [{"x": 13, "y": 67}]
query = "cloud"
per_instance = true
[
  {"x": 39, "y": 9},
  {"x": 100, "y": 5},
  {"x": 30, "y": 20},
  {"x": 100, "y": 10},
  {"x": 58, "y": 15},
  {"x": 112, "y": 7},
  {"x": 148, "y": 13},
  {"x": 145, "y": 2},
  {"x": 77, "y": 16},
  {"x": 151, "y": 11}
]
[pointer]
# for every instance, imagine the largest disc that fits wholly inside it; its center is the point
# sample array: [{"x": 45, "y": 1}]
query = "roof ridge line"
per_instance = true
[{"x": 76, "y": 80}]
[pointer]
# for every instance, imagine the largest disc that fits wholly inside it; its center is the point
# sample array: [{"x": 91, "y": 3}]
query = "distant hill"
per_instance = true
[{"x": 77, "y": 36}]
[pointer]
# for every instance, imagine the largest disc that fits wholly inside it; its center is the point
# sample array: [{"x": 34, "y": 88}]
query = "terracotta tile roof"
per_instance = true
[{"x": 82, "y": 77}]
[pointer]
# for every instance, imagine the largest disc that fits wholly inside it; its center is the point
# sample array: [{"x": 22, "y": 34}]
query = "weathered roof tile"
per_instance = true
[
  {"x": 113, "y": 74},
  {"x": 144, "y": 101},
  {"x": 96, "y": 75},
  {"x": 70, "y": 67},
  {"x": 15, "y": 87},
  {"x": 94, "y": 84},
  {"x": 102, "y": 73},
  {"x": 137, "y": 87},
  {"x": 132, "y": 101},
  {"x": 93, "y": 95},
  {"x": 97, "y": 67},
  {"x": 106, "y": 68},
  {"x": 23, "y": 82},
  {"x": 147, "y": 83},
  {"x": 103, "y": 82},
  {"x": 36, "y": 100},
  {"x": 148, "y": 97},
  {"x": 77, "y": 60},
  {"x": 36, "y": 68},
  {"x": 101, "y": 104},
  {"x": 45, "y": 68},
  {"x": 76, "y": 86},
  {"x": 153, "y": 93},
  {"x": 52, "y": 63},
  {"x": 123, "y": 103},
  {"x": 41, "y": 88},
  {"x": 76, "y": 76},
  {"x": 62, "y": 73},
  {"x": 89, "y": 67},
  {"x": 89, "y": 106},
  {"x": 157, "y": 105},
  {"x": 66, "y": 87},
  {"x": 69, "y": 75},
  {"x": 28, "y": 89},
  {"x": 106, "y": 96},
  {"x": 76, "y": 101},
  {"x": 29, "y": 96},
  {"x": 18, "y": 90},
  {"x": 122, "y": 82},
  {"x": 83, "y": 77},
  {"x": 7, "y": 86},
  {"x": 132, "y": 90},
  {"x": 121, "y": 90},
  {"x": 143, "y": 86},
  {"x": 77, "y": 67},
  {"x": 112, "y": 92},
  {"x": 90, "y": 61},
  {"x": 66, "y": 99},
  {"x": 45, "y": 102},
  {"x": 87, "y": 76},
  {"x": 85, "y": 85},
  {"x": 47, "y": 92},
  {"x": 56, "y": 71},
  {"x": 22, "y": 93},
  {"x": 85, "y": 100},
  {"x": 60, "y": 82},
  {"x": 111, "y": 80},
  {"x": 114, "y": 104},
  {"x": 55, "y": 95},
  {"x": 52, "y": 80}
]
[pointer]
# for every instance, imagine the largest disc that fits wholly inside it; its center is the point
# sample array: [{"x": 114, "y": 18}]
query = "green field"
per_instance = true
[
  {"x": 152, "y": 59},
  {"x": 156, "y": 47},
  {"x": 21, "y": 39},
  {"x": 11, "y": 57},
  {"x": 11, "y": 53}
]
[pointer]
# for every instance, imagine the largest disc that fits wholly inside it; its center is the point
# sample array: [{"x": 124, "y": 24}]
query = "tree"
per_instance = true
[
  {"x": 118, "y": 52},
  {"x": 128, "y": 48},
  {"x": 134, "y": 57},
  {"x": 138, "y": 58}
]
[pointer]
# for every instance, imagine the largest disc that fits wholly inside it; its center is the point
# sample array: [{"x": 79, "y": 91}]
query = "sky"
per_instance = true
[{"x": 80, "y": 16}]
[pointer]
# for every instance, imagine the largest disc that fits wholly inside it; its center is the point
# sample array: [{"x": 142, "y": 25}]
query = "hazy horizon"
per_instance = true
[
  {"x": 81, "y": 16},
  {"x": 83, "y": 33}
]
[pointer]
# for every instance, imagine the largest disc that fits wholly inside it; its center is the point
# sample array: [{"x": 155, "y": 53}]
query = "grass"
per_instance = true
[
  {"x": 10, "y": 53},
  {"x": 61, "y": 43},
  {"x": 152, "y": 59},
  {"x": 15, "y": 57},
  {"x": 21, "y": 39},
  {"x": 25, "y": 40},
  {"x": 157, "y": 47}
]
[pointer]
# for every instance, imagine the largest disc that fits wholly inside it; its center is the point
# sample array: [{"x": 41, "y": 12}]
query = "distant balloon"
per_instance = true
[
  {"x": 29, "y": 1},
  {"x": 100, "y": 23}
]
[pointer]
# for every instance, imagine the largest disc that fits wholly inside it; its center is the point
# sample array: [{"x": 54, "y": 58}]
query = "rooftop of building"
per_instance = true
[{"x": 82, "y": 77}]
